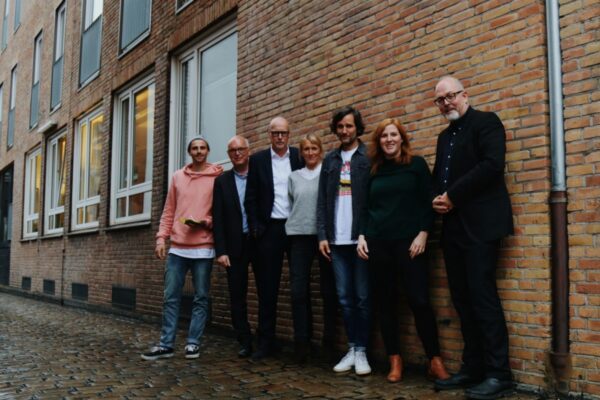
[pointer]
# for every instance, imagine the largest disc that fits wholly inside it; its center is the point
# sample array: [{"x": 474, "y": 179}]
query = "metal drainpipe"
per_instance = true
[{"x": 558, "y": 203}]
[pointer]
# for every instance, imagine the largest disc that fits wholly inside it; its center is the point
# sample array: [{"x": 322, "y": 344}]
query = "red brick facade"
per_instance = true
[{"x": 302, "y": 60}]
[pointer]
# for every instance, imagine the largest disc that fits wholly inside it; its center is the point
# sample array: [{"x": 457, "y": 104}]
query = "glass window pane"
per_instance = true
[
  {"x": 95, "y": 157},
  {"x": 91, "y": 213},
  {"x": 218, "y": 95},
  {"x": 124, "y": 143},
  {"x": 80, "y": 215},
  {"x": 83, "y": 160},
  {"x": 135, "y": 20},
  {"x": 61, "y": 171},
  {"x": 38, "y": 183},
  {"x": 136, "y": 204},
  {"x": 185, "y": 112},
  {"x": 121, "y": 207},
  {"x": 144, "y": 110}
]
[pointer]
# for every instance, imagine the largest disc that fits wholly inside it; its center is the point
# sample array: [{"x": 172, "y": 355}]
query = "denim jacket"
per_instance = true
[{"x": 329, "y": 182}]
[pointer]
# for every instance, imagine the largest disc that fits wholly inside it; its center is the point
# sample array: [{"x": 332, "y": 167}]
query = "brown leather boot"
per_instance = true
[
  {"x": 436, "y": 369},
  {"x": 395, "y": 374}
]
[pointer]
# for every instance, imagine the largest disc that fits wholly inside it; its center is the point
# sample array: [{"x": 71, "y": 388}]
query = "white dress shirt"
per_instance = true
[{"x": 282, "y": 168}]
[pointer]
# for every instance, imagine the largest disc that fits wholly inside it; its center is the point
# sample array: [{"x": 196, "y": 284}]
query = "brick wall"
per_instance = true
[
  {"x": 304, "y": 59},
  {"x": 580, "y": 39}
]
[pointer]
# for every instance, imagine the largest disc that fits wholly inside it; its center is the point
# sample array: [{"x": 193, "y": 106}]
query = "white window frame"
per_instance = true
[
  {"x": 176, "y": 139},
  {"x": 28, "y": 207},
  {"x": 52, "y": 186},
  {"x": 78, "y": 180},
  {"x": 145, "y": 187},
  {"x": 179, "y": 8}
]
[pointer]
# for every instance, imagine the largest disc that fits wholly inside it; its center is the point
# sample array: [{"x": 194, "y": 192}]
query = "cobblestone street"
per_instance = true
[{"x": 54, "y": 352}]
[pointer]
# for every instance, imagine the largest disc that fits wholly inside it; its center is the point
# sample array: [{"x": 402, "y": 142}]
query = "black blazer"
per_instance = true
[
  {"x": 476, "y": 181},
  {"x": 227, "y": 216},
  {"x": 260, "y": 193}
]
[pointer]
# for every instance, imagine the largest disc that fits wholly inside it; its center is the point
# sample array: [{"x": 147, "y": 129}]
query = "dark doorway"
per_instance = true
[{"x": 6, "y": 193}]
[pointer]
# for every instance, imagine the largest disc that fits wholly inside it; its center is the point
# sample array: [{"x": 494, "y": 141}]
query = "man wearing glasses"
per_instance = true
[
  {"x": 267, "y": 206},
  {"x": 233, "y": 245},
  {"x": 472, "y": 198}
]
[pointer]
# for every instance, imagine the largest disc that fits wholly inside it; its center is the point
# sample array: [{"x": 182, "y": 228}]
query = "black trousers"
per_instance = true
[
  {"x": 471, "y": 269},
  {"x": 390, "y": 261},
  {"x": 271, "y": 247},
  {"x": 303, "y": 249},
  {"x": 237, "y": 280}
]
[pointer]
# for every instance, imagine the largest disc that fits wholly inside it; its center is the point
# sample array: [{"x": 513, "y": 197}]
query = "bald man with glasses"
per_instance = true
[{"x": 473, "y": 200}]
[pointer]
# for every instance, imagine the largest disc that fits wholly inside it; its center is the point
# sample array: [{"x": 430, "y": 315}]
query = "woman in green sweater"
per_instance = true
[{"x": 393, "y": 235}]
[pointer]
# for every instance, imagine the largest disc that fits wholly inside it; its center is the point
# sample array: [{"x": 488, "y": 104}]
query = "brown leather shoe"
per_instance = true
[
  {"x": 436, "y": 369},
  {"x": 395, "y": 374}
]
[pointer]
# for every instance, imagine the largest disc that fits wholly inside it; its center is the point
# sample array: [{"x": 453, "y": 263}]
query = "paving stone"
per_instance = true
[{"x": 54, "y": 352}]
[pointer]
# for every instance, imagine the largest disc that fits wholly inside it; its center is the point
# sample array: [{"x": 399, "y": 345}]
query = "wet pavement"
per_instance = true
[{"x": 53, "y": 352}]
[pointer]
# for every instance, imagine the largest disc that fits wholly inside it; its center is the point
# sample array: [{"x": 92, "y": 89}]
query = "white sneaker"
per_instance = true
[
  {"x": 361, "y": 364},
  {"x": 345, "y": 363}
]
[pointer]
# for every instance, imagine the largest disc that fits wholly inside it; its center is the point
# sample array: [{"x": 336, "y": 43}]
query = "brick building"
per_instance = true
[{"x": 98, "y": 98}]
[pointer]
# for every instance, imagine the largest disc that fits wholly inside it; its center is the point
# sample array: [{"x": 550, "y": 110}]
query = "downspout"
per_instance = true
[{"x": 559, "y": 356}]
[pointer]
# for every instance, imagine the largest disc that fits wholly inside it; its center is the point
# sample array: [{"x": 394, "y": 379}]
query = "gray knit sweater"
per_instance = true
[{"x": 303, "y": 201}]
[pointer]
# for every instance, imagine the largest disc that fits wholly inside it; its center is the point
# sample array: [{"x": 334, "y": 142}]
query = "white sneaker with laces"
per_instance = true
[
  {"x": 192, "y": 351},
  {"x": 361, "y": 364},
  {"x": 346, "y": 363}
]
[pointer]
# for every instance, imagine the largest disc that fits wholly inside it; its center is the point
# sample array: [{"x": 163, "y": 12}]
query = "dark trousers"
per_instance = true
[
  {"x": 271, "y": 246},
  {"x": 303, "y": 249},
  {"x": 471, "y": 269},
  {"x": 390, "y": 261},
  {"x": 237, "y": 280}
]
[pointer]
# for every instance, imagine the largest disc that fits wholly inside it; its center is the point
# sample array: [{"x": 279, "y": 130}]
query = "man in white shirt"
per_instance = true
[
  {"x": 267, "y": 207},
  {"x": 342, "y": 193}
]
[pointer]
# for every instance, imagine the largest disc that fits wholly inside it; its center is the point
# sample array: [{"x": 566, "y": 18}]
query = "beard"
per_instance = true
[{"x": 452, "y": 115}]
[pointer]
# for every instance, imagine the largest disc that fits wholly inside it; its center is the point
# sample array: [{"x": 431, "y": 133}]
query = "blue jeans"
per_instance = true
[
  {"x": 175, "y": 272},
  {"x": 352, "y": 285}
]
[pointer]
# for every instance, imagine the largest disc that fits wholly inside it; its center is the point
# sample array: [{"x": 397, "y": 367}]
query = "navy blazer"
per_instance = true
[
  {"x": 260, "y": 193},
  {"x": 476, "y": 175},
  {"x": 227, "y": 216}
]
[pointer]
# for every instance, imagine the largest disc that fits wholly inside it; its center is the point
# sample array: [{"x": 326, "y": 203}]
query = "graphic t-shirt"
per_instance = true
[{"x": 343, "y": 203}]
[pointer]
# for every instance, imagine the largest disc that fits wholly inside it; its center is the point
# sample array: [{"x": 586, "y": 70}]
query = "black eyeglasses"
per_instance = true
[
  {"x": 240, "y": 150},
  {"x": 449, "y": 97},
  {"x": 280, "y": 133}
]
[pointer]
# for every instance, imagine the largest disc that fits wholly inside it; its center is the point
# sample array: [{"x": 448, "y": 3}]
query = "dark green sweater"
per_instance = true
[{"x": 398, "y": 201}]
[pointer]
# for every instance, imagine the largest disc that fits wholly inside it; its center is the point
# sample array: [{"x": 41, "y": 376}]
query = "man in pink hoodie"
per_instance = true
[{"x": 187, "y": 222}]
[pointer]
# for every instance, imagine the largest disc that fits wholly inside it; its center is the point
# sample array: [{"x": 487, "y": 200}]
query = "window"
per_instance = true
[
  {"x": 135, "y": 22},
  {"x": 56, "y": 184},
  {"x": 35, "y": 85},
  {"x": 181, "y": 4},
  {"x": 17, "y": 14},
  {"x": 87, "y": 166},
  {"x": 1, "y": 106},
  {"x": 132, "y": 154},
  {"x": 33, "y": 184},
  {"x": 12, "y": 100},
  {"x": 57, "y": 61},
  {"x": 203, "y": 90},
  {"x": 5, "y": 24},
  {"x": 91, "y": 39}
]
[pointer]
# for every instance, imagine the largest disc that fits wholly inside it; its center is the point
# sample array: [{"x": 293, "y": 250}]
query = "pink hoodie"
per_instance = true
[{"x": 190, "y": 196}]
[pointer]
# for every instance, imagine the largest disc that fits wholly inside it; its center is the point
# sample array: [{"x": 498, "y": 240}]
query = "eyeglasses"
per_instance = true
[
  {"x": 240, "y": 150},
  {"x": 449, "y": 97},
  {"x": 280, "y": 133}
]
